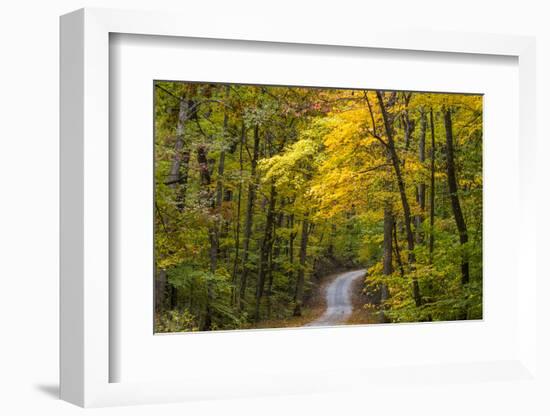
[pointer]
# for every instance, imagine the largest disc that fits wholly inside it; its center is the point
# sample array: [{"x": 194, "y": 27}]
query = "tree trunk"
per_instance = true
[
  {"x": 221, "y": 164},
  {"x": 207, "y": 200},
  {"x": 265, "y": 252},
  {"x": 249, "y": 217},
  {"x": 238, "y": 226},
  {"x": 291, "y": 237},
  {"x": 269, "y": 281},
  {"x": 160, "y": 290},
  {"x": 179, "y": 169},
  {"x": 432, "y": 188},
  {"x": 402, "y": 193},
  {"x": 274, "y": 254},
  {"x": 299, "y": 292},
  {"x": 421, "y": 187},
  {"x": 397, "y": 251},
  {"x": 219, "y": 188},
  {"x": 388, "y": 258},
  {"x": 388, "y": 227},
  {"x": 177, "y": 181},
  {"x": 408, "y": 124},
  {"x": 453, "y": 190}
]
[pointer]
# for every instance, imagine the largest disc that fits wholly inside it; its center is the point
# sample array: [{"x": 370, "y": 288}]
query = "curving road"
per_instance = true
[{"x": 338, "y": 295}]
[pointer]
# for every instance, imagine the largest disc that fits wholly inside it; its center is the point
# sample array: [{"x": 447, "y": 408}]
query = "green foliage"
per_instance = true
[{"x": 175, "y": 321}]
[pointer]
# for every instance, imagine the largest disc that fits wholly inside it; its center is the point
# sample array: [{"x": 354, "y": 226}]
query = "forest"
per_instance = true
[{"x": 265, "y": 195}]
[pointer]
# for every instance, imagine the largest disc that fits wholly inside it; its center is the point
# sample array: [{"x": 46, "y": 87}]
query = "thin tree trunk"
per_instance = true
[
  {"x": 219, "y": 186},
  {"x": 402, "y": 193},
  {"x": 432, "y": 188},
  {"x": 274, "y": 254},
  {"x": 397, "y": 251},
  {"x": 299, "y": 292},
  {"x": 160, "y": 290},
  {"x": 249, "y": 217},
  {"x": 179, "y": 169},
  {"x": 421, "y": 187},
  {"x": 269, "y": 281},
  {"x": 238, "y": 227},
  {"x": 388, "y": 258},
  {"x": 453, "y": 190},
  {"x": 388, "y": 226},
  {"x": 207, "y": 198},
  {"x": 408, "y": 124},
  {"x": 221, "y": 164},
  {"x": 265, "y": 252},
  {"x": 291, "y": 238},
  {"x": 177, "y": 181}
]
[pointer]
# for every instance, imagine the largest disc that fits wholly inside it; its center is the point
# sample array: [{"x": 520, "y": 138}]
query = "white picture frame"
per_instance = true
[{"x": 85, "y": 221}]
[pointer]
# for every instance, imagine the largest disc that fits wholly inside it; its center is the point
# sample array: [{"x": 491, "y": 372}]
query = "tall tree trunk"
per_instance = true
[
  {"x": 453, "y": 190},
  {"x": 291, "y": 237},
  {"x": 249, "y": 217},
  {"x": 208, "y": 201},
  {"x": 388, "y": 227},
  {"x": 388, "y": 257},
  {"x": 432, "y": 188},
  {"x": 160, "y": 290},
  {"x": 274, "y": 254},
  {"x": 219, "y": 185},
  {"x": 265, "y": 252},
  {"x": 421, "y": 187},
  {"x": 179, "y": 169},
  {"x": 177, "y": 181},
  {"x": 269, "y": 280},
  {"x": 238, "y": 226},
  {"x": 402, "y": 192},
  {"x": 397, "y": 251},
  {"x": 221, "y": 164},
  {"x": 408, "y": 124},
  {"x": 299, "y": 292}
]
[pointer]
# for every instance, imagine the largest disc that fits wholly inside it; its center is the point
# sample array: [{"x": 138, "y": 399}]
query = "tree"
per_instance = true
[
  {"x": 249, "y": 216},
  {"x": 453, "y": 192},
  {"x": 390, "y": 144}
]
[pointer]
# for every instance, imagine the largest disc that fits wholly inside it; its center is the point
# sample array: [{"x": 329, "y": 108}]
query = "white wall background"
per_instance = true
[{"x": 29, "y": 205}]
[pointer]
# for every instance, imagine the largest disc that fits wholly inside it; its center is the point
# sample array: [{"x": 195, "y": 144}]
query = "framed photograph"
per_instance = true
[{"x": 274, "y": 212}]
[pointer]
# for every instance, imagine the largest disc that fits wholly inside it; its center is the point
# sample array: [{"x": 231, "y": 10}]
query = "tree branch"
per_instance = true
[
  {"x": 161, "y": 217},
  {"x": 374, "y": 132},
  {"x": 375, "y": 167},
  {"x": 168, "y": 92}
]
